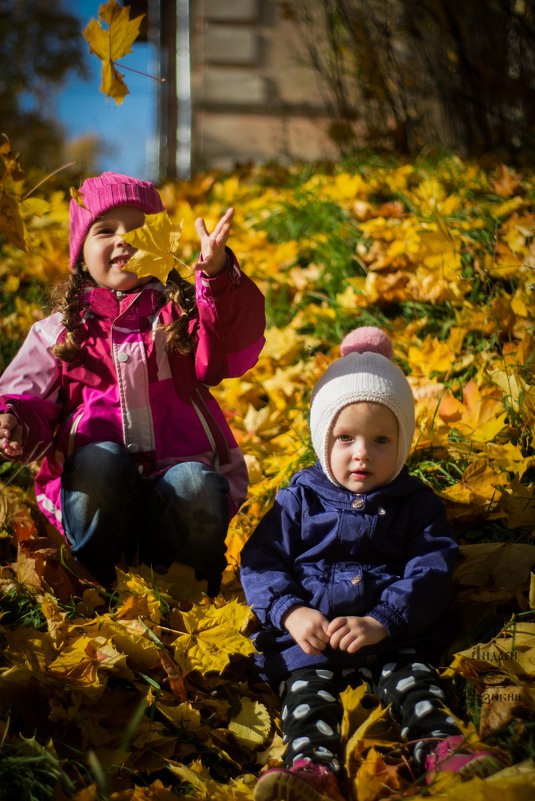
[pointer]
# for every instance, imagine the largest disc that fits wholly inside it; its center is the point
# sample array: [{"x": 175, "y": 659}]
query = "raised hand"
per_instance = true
[{"x": 214, "y": 258}]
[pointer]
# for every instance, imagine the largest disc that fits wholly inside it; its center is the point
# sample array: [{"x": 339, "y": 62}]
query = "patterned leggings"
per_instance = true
[{"x": 312, "y": 710}]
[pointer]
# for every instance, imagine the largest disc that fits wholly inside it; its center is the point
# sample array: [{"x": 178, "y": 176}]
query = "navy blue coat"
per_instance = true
[{"x": 388, "y": 554}]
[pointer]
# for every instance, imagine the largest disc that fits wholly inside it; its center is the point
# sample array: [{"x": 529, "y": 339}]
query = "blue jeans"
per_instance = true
[{"x": 111, "y": 513}]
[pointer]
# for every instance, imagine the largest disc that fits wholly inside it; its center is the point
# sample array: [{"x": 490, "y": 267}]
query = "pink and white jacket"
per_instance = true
[{"x": 127, "y": 389}]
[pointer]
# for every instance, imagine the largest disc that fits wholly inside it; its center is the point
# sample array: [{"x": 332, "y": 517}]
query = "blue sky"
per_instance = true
[{"x": 129, "y": 129}]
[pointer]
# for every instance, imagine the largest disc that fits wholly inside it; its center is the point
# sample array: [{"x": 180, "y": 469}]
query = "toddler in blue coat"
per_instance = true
[{"x": 349, "y": 574}]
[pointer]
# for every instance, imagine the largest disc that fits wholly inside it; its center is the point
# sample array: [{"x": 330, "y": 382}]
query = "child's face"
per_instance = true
[
  {"x": 363, "y": 446},
  {"x": 106, "y": 252}
]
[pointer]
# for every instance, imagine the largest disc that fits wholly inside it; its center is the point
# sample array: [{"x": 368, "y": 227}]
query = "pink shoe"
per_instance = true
[
  {"x": 304, "y": 781},
  {"x": 453, "y": 754}
]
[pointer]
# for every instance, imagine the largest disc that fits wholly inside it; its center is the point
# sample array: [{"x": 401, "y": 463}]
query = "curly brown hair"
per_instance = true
[{"x": 68, "y": 299}]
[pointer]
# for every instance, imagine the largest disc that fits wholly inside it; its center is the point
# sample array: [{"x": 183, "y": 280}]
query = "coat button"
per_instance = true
[
  {"x": 356, "y": 579},
  {"x": 358, "y": 502},
  {"x": 123, "y": 357}
]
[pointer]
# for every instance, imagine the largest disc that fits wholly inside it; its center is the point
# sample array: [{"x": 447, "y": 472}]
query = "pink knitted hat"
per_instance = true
[
  {"x": 103, "y": 193},
  {"x": 365, "y": 372}
]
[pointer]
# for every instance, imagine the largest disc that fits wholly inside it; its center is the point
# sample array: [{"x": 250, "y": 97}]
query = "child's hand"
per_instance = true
[
  {"x": 214, "y": 257},
  {"x": 10, "y": 435},
  {"x": 352, "y": 633},
  {"x": 308, "y": 627}
]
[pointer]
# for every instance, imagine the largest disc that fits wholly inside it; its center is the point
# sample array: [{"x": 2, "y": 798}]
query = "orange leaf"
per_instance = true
[
  {"x": 176, "y": 682},
  {"x": 375, "y": 778},
  {"x": 450, "y": 409},
  {"x": 480, "y": 418},
  {"x": 505, "y": 183}
]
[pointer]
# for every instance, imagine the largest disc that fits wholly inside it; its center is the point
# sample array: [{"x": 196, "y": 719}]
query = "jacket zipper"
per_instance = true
[
  {"x": 211, "y": 426},
  {"x": 72, "y": 433}
]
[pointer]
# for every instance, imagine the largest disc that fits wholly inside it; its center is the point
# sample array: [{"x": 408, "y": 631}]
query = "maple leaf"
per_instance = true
[
  {"x": 111, "y": 44},
  {"x": 157, "y": 242},
  {"x": 506, "y": 182},
  {"x": 480, "y": 417},
  {"x": 203, "y": 786},
  {"x": 211, "y": 636},
  {"x": 431, "y": 356},
  {"x": 477, "y": 486},
  {"x": 376, "y": 778}
]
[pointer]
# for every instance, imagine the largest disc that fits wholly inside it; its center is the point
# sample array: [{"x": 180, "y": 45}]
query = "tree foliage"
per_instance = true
[
  {"x": 415, "y": 73},
  {"x": 39, "y": 48}
]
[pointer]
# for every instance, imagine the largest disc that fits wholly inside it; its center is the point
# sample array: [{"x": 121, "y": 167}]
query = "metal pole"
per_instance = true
[
  {"x": 153, "y": 37},
  {"x": 183, "y": 88}
]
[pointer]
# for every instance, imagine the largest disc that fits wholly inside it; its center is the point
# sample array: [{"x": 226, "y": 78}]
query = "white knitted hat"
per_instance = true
[{"x": 365, "y": 372}]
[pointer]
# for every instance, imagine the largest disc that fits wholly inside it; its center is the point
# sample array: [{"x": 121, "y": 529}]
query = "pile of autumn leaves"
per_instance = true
[{"x": 149, "y": 693}]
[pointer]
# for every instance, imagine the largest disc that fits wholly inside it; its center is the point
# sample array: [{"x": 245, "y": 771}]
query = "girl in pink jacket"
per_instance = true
[{"x": 111, "y": 393}]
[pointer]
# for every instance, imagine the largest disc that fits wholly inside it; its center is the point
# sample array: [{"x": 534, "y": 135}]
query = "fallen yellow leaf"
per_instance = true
[{"x": 252, "y": 725}]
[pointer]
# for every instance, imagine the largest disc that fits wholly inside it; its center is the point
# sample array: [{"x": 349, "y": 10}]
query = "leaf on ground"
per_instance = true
[
  {"x": 29, "y": 648},
  {"x": 174, "y": 676},
  {"x": 131, "y": 638},
  {"x": 183, "y": 716},
  {"x": 252, "y": 725},
  {"x": 378, "y": 726},
  {"x": 138, "y": 587},
  {"x": 500, "y": 706},
  {"x": 204, "y": 787},
  {"x": 479, "y": 417},
  {"x": 477, "y": 487},
  {"x": 43, "y": 565},
  {"x": 376, "y": 778},
  {"x": 513, "y": 785},
  {"x": 494, "y": 564},
  {"x": 211, "y": 636}
]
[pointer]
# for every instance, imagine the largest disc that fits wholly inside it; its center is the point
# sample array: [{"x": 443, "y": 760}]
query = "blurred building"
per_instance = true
[{"x": 237, "y": 89}]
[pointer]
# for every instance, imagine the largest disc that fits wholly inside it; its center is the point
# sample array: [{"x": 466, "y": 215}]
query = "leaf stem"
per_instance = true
[
  {"x": 50, "y": 174},
  {"x": 131, "y": 69}
]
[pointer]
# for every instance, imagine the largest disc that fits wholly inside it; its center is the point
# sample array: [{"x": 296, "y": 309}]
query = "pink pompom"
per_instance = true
[{"x": 367, "y": 339}]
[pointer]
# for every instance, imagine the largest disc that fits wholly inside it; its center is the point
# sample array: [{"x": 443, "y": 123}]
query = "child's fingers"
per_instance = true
[
  {"x": 337, "y": 637},
  {"x": 224, "y": 223},
  {"x": 222, "y": 228},
  {"x": 12, "y": 448},
  {"x": 8, "y": 424},
  {"x": 10, "y": 435},
  {"x": 336, "y": 624},
  {"x": 200, "y": 227}
]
